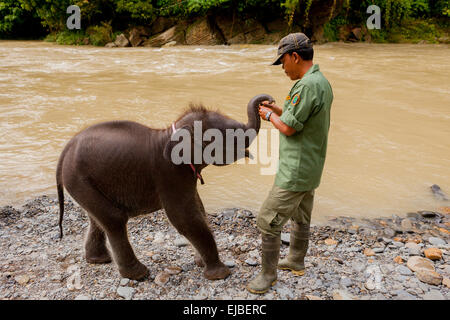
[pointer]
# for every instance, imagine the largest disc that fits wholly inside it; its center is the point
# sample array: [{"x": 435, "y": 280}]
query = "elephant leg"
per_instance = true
[
  {"x": 197, "y": 257},
  {"x": 129, "y": 266},
  {"x": 188, "y": 219},
  {"x": 95, "y": 244},
  {"x": 114, "y": 223}
]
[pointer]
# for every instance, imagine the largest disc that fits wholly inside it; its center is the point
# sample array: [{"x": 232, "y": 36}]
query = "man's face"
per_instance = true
[{"x": 291, "y": 63}]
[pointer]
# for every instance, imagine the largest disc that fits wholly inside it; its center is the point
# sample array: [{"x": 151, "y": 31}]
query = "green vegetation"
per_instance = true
[
  {"x": 95, "y": 35},
  {"x": 402, "y": 20}
]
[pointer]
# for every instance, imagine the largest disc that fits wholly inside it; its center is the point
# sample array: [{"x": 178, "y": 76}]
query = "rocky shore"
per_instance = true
[
  {"x": 225, "y": 30},
  {"x": 398, "y": 258}
]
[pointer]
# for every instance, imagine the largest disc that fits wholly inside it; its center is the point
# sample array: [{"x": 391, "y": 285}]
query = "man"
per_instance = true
[{"x": 303, "y": 123}]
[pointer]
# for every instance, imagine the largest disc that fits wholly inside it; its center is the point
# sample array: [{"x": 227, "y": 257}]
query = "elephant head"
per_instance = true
[{"x": 203, "y": 137}]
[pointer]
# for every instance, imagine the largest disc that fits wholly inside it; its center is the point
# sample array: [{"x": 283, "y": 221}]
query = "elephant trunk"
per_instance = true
[{"x": 254, "y": 120}]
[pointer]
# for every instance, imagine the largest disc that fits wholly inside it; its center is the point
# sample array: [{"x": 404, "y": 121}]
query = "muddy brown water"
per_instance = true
[{"x": 390, "y": 129}]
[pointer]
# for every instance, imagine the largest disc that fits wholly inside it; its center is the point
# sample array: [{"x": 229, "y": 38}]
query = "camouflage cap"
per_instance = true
[{"x": 292, "y": 42}]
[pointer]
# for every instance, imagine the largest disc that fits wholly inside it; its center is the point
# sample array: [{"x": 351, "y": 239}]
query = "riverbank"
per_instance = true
[
  {"x": 224, "y": 30},
  {"x": 322, "y": 20},
  {"x": 399, "y": 257}
]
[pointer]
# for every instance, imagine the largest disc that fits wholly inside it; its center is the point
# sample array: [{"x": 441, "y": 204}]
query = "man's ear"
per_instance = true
[{"x": 296, "y": 57}]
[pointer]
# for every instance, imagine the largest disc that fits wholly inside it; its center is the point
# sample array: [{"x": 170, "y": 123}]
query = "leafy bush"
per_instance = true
[
  {"x": 100, "y": 35},
  {"x": 140, "y": 11},
  {"x": 10, "y": 14},
  {"x": 71, "y": 37},
  {"x": 331, "y": 28}
]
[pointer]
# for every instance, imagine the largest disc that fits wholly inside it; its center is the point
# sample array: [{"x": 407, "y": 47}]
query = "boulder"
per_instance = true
[
  {"x": 122, "y": 41},
  {"x": 250, "y": 31},
  {"x": 357, "y": 33},
  {"x": 161, "y": 24},
  {"x": 170, "y": 44},
  {"x": 137, "y": 35},
  {"x": 175, "y": 33},
  {"x": 344, "y": 32},
  {"x": 203, "y": 32}
]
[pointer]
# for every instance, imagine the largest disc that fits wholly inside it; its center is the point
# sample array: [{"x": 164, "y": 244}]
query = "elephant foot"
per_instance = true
[
  {"x": 199, "y": 261},
  {"x": 138, "y": 271},
  {"x": 105, "y": 258},
  {"x": 217, "y": 272}
]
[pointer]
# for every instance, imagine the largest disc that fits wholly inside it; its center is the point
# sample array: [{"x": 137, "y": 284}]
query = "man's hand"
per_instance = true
[
  {"x": 275, "y": 118},
  {"x": 272, "y": 106},
  {"x": 263, "y": 112}
]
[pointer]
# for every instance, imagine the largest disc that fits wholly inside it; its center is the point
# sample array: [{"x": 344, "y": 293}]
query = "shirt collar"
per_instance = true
[{"x": 314, "y": 68}]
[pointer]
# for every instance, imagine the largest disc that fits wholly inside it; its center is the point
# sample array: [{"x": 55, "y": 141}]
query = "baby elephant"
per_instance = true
[{"x": 121, "y": 169}]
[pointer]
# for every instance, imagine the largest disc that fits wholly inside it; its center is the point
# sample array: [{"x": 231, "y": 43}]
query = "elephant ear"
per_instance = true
[{"x": 185, "y": 131}]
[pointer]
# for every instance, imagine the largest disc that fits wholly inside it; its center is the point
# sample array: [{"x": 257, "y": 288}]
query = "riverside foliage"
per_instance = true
[{"x": 36, "y": 18}]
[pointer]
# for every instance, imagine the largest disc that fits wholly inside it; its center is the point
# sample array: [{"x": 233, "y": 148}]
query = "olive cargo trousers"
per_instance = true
[{"x": 282, "y": 205}]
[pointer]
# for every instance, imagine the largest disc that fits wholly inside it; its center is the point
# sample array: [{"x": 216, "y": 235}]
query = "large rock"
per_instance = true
[
  {"x": 122, "y": 41},
  {"x": 175, "y": 33},
  {"x": 161, "y": 24},
  {"x": 250, "y": 31},
  {"x": 138, "y": 35},
  {"x": 203, "y": 32},
  {"x": 416, "y": 263}
]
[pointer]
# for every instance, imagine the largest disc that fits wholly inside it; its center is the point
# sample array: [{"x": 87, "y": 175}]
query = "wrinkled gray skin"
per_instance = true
[{"x": 121, "y": 169}]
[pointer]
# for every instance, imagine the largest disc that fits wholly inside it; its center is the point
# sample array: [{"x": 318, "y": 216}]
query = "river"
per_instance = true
[{"x": 389, "y": 138}]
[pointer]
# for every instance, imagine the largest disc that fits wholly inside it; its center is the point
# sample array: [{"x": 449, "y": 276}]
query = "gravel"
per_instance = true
[{"x": 36, "y": 264}]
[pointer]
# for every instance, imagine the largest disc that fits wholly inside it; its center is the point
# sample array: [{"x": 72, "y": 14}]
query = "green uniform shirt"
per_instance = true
[{"x": 307, "y": 110}]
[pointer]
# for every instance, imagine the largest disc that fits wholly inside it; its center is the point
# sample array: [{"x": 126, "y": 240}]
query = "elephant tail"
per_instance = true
[{"x": 60, "y": 188}]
